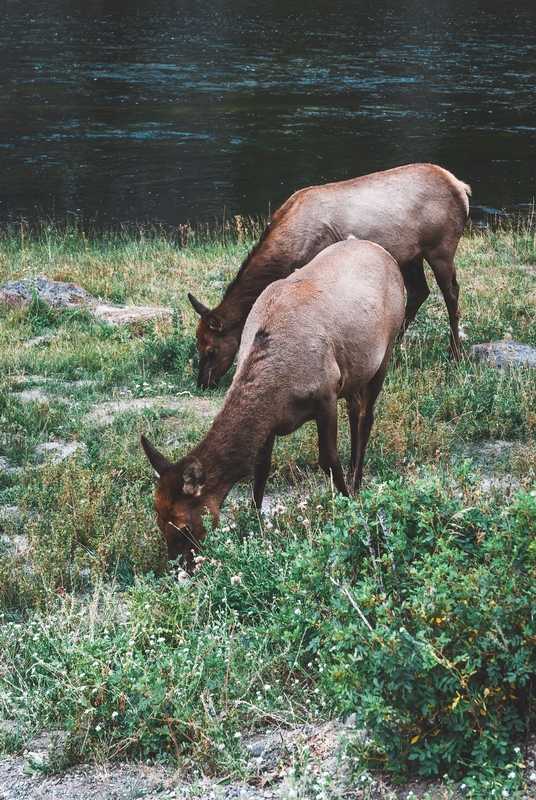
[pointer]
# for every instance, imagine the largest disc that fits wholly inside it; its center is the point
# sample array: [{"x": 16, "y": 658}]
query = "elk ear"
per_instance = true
[
  {"x": 198, "y": 307},
  {"x": 214, "y": 323},
  {"x": 159, "y": 462},
  {"x": 193, "y": 476}
]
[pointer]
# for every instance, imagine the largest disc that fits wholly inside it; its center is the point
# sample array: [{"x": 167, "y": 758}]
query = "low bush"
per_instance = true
[{"x": 412, "y": 608}]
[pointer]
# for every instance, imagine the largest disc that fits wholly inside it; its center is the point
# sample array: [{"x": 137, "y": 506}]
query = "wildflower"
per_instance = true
[
  {"x": 505, "y": 793},
  {"x": 267, "y": 687},
  {"x": 297, "y": 610},
  {"x": 183, "y": 576},
  {"x": 303, "y": 505},
  {"x": 115, "y": 714},
  {"x": 236, "y": 580},
  {"x": 511, "y": 775},
  {"x": 98, "y": 728},
  {"x": 279, "y": 509},
  {"x": 221, "y": 746},
  {"x": 238, "y": 735}
]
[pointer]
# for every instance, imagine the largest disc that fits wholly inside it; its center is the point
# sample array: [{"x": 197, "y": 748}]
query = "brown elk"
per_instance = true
[
  {"x": 324, "y": 333},
  {"x": 415, "y": 212}
]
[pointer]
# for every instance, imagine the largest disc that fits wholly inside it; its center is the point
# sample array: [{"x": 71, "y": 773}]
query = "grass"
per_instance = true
[{"x": 437, "y": 554}]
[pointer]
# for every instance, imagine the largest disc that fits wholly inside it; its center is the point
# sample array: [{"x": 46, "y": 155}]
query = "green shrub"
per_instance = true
[{"x": 429, "y": 634}]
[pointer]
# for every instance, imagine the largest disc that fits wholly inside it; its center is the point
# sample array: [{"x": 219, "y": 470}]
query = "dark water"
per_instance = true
[{"x": 183, "y": 111}]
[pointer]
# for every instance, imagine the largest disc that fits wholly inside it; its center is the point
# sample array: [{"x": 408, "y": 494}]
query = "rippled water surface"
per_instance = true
[{"x": 184, "y": 111}]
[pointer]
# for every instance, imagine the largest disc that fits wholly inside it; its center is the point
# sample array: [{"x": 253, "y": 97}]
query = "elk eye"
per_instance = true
[{"x": 210, "y": 352}]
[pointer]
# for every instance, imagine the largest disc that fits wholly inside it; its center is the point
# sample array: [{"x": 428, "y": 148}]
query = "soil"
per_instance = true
[{"x": 271, "y": 757}]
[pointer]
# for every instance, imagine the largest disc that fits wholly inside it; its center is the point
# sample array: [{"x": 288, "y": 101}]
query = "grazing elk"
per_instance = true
[
  {"x": 324, "y": 333},
  {"x": 415, "y": 212}
]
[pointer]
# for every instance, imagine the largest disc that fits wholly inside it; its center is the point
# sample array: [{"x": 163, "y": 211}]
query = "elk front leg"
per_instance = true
[{"x": 328, "y": 457}]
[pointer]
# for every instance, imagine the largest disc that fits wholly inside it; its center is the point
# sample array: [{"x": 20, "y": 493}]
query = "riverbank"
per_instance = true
[{"x": 99, "y": 642}]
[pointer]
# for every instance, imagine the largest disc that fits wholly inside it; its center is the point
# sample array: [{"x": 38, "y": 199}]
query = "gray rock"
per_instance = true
[
  {"x": 503, "y": 354},
  {"x": 56, "y": 293},
  {"x": 69, "y": 295}
]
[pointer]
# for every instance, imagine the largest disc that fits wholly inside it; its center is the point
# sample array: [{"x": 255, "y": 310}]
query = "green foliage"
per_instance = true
[
  {"x": 430, "y": 637},
  {"x": 410, "y": 607}
]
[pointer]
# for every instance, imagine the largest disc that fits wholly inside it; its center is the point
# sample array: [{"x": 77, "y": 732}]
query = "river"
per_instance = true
[{"x": 177, "y": 112}]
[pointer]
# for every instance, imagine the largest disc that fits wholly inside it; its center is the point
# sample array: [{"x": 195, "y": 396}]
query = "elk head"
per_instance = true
[
  {"x": 180, "y": 504},
  {"x": 216, "y": 346}
]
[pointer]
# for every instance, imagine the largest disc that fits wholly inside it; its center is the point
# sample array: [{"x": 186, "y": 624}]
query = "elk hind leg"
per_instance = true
[
  {"x": 361, "y": 406},
  {"x": 442, "y": 264},
  {"x": 262, "y": 470},
  {"x": 353, "y": 407},
  {"x": 328, "y": 457},
  {"x": 417, "y": 289}
]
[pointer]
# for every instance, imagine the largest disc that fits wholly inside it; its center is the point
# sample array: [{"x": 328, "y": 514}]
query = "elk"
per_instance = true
[
  {"x": 415, "y": 212},
  {"x": 324, "y": 333}
]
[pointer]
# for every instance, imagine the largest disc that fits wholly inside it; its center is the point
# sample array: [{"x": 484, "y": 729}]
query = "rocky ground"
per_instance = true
[{"x": 273, "y": 756}]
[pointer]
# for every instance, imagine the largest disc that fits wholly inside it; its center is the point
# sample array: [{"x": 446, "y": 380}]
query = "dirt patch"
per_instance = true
[
  {"x": 272, "y": 755},
  {"x": 131, "y": 315},
  {"x": 58, "y": 451},
  {"x": 105, "y": 413}
]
